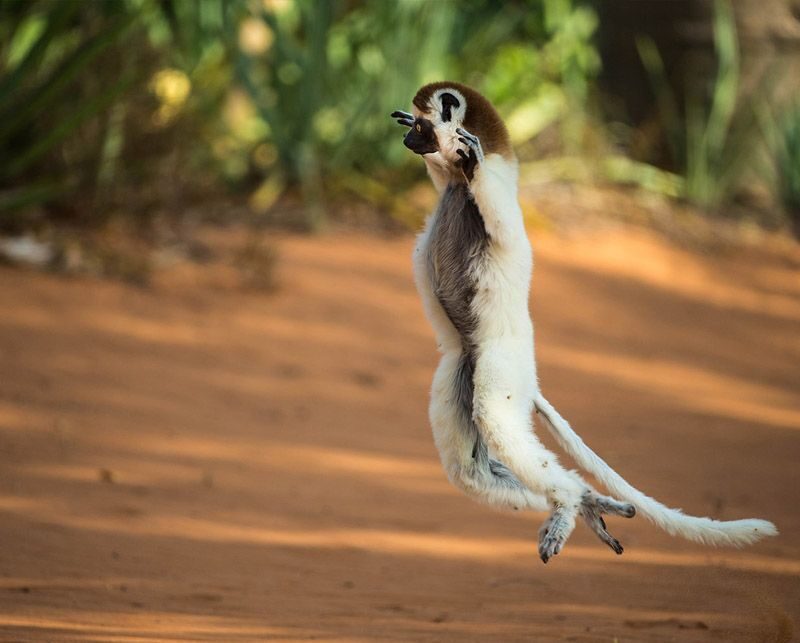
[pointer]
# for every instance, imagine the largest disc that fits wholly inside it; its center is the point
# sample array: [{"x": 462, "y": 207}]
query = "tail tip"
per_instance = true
[
  {"x": 754, "y": 530},
  {"x": 765, "y": 528}
]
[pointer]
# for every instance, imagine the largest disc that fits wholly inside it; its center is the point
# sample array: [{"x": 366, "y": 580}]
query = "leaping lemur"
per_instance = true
[{"x": 472, "y": 267}]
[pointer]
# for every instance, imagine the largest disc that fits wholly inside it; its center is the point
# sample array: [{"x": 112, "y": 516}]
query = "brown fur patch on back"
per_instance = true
[{"x": 480, "y": 119}]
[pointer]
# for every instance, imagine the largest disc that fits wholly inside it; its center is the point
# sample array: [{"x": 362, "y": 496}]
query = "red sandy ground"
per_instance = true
[{"x": 197, "y": 462}]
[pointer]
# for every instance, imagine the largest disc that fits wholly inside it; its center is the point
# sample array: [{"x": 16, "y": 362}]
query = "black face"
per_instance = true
[{"x": 421, "y": 139}]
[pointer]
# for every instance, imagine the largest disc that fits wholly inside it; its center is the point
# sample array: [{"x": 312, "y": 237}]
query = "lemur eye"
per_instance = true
[{"x": 419, "y": 129}]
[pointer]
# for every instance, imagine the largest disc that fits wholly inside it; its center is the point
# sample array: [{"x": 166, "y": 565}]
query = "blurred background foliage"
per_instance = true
[{"x": 157, "y": 108}]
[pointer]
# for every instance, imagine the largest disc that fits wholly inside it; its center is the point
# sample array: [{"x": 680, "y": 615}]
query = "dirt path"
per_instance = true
[{"x": 191, "y": 462}]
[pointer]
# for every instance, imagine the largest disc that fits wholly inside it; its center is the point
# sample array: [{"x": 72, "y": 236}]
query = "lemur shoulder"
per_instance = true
[{"x": 472, "y": 266}]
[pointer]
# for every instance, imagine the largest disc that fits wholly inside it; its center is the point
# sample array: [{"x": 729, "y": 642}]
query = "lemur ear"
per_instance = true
[{"x": 448, "y": 102}]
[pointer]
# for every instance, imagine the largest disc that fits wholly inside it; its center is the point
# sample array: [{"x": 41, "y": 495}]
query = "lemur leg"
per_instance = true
[
  {"x": 539, "y": 470},
  {"x": 502, "y": 411},
  {"x": 464, "y": 455},
  {"x": 488, "y": 480}
]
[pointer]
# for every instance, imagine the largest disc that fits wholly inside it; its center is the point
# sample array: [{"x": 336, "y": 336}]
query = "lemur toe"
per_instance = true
[
  {"x": 553, "y": 534},
  {"x": 593, "y": 505},
  {"x": 613, "y": 507},
  {"x": 598, "y": 526},
  {"x": 549, "y": 546}
]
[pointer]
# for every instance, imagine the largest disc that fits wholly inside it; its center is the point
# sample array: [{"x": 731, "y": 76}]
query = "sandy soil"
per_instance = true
[{"x": 196, "y": 462}]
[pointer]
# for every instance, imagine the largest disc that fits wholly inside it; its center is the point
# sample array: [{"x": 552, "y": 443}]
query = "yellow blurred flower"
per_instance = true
[
  {"x": 172, "y": 88},
  {"x": 255, "y": 36}
]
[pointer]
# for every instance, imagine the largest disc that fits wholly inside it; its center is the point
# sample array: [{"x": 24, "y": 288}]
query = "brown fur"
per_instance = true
[{"x": 480, "y": 119}]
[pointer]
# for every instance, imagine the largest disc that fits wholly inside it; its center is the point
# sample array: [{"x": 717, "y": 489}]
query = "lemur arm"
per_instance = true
[{"x": 493, "y": 184}]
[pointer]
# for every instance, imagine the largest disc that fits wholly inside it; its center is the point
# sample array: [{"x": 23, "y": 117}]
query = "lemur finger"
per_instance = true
[
  {"x": 467, "y": 162},
  {"x": 462, "y": 132},
  {"x": 472, "y": 142},
  {"x": 403, "y": 118}
]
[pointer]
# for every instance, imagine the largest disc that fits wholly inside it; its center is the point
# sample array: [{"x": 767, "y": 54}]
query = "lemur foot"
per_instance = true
[
  {"x": 593, "y": 505},
  {"x": 404, "y": 118},
  {"x": 555, "y": 531},
  {"x": 469, "y": 160},
  {"x": 557, "y": 528}
]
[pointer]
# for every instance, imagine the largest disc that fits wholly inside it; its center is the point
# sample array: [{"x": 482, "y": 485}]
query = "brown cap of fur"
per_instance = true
[{"x": 480, "y": 118}]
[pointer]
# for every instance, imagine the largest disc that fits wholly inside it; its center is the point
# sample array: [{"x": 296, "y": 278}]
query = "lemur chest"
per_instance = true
[{"x": 456, "y": 248}]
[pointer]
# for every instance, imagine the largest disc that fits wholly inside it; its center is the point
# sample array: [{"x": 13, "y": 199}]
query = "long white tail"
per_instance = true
[{"x": 673, "y": 521}]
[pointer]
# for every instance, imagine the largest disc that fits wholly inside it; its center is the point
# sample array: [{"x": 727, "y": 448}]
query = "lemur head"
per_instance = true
[{"x": 440, "y": 108}]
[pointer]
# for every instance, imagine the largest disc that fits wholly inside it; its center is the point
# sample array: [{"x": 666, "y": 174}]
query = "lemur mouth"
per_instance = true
[{"x": 421, "y": 138}]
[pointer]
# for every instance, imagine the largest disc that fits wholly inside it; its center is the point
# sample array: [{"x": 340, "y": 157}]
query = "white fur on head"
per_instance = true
[
  {"x": 435, "y": 109},
  {"x": 456, "y": 113}
]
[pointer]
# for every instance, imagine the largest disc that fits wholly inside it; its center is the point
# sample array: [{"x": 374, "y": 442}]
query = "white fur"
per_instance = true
[
  {"x": 505, "y": 373},
  {"x": 506, "y": 390}
]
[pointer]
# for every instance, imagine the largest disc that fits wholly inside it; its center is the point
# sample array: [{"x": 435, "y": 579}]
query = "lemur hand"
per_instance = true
[
  {"x": 404, "y": 118},
  {"x": 469, "y": 161}
]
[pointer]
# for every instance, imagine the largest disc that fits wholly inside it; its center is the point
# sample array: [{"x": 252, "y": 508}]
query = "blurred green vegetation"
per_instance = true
[
  {"x": 783, "y": 137},
  {"x": 151, "y": 107},
  {"x": 711, "y": 136}
]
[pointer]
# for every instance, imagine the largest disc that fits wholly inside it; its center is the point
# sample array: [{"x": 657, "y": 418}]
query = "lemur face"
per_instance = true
[
  {"x": 421, "y": 138},
  {"x": 449, "y": 119},
  {"x": 438, "y": 116}
]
